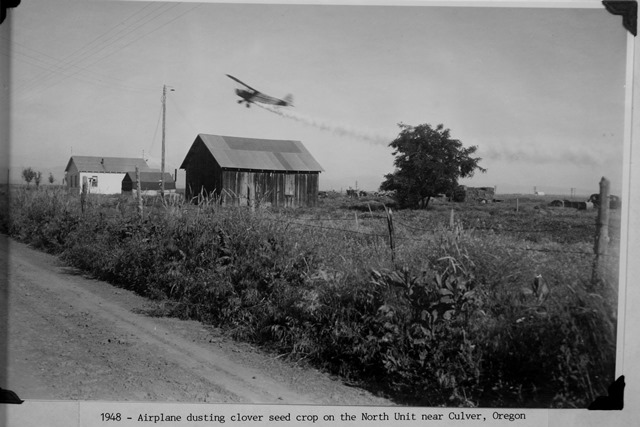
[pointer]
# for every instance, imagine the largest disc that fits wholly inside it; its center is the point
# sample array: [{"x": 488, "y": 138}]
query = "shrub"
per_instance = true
[{"x": 446, "y": 323}]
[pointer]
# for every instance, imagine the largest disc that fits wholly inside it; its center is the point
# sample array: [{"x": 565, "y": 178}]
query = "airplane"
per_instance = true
[{"x": 251, "y": 95}]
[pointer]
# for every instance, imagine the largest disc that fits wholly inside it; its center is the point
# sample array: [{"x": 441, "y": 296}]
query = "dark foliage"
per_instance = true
[{"x": 428, "y": 163}]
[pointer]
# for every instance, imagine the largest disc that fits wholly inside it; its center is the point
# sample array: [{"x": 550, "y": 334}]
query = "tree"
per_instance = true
[
  {"x": 28, "y": 175},
  {"x": 38, "y": 178},
  {"x": 52, "y": 179},
  {"x": 428, "y": 163}
]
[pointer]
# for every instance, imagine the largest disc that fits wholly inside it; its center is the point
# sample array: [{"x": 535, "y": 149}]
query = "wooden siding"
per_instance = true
[
  {"x": 203, "y": 174},
  {"x": 245, "y": 187},
  {"x": 282, "y": 189}
]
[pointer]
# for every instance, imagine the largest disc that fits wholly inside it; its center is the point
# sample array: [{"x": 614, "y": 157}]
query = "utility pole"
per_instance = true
[{"x": 164, "y": 116}]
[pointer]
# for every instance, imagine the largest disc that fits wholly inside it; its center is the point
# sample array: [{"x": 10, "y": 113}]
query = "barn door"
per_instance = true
[{"x": 289, "y": 189}]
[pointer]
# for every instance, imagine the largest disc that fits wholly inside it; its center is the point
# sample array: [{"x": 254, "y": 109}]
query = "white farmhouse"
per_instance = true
[{"x": 104, "y": 174}]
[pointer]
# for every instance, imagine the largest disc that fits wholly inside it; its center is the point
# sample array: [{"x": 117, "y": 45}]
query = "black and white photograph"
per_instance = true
[{"x": 391, "y": 206}]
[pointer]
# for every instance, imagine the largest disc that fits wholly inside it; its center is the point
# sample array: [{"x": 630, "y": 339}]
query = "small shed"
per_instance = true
[
  {"x": 251, "y": 171},
  {"x": 149, "y": 183},
  {"x": 104, "y": 174},
  {"x": 473, "y": 194}
]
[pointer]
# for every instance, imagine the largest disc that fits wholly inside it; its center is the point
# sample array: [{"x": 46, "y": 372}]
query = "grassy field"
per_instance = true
[{"x": 450, "y": 317}]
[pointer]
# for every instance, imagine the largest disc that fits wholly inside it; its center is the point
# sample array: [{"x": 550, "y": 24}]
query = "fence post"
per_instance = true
[
  {"x": 451, "y": 220},
  {"x": 517, "y": 204},
  {"x": 357, "y": 225},
  {"x": 391, "y": 232},
  {"x": 83, "y": 196},
  {"x": 139, "y": 194},
  {"x": 602, "y": 232}
]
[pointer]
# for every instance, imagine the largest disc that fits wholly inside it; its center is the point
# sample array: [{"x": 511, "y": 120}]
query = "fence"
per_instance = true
[
  {"x": 390, "y": 223},
  {"x": 601, "y": 254}
]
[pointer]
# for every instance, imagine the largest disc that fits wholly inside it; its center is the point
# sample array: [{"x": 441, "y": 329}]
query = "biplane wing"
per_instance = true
[{"x": 251, "y": 95}]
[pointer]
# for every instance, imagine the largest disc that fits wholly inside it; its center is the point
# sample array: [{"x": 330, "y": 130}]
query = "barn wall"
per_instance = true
[
  {"x": 245, "y": 187},
  {"x": 280, "y": 189},
  {"x": 203, "y": 174}
]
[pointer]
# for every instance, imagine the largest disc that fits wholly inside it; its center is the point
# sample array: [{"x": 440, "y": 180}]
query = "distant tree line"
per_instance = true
[{"x": 29, "y": 175}]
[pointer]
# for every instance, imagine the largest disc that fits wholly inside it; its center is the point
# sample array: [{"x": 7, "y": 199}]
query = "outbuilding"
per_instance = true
[
  {"x": 473, "y": 194},
  {"x": 251, "y": 171},
  {"x": 150, "y": 182},
  {"x": 104, "y": 174}
]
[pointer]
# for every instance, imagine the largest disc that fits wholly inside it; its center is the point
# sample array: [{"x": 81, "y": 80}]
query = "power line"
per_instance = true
[
  {"x": 44, "y": 65},
  {"x": 120, "y": 48},
  {"x": 67, "y": 60},
  {"x": 155, "y": 133},
  {"x": 183, "y": 115}
]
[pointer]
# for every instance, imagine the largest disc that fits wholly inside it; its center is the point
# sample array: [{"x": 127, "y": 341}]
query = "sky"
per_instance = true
[{"x": 539, "y": 91}]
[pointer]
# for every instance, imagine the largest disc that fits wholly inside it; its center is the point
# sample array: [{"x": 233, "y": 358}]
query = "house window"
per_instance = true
[{"x": 94, "y": 181}]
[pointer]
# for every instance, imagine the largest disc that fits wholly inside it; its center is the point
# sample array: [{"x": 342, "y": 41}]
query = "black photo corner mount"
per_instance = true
[
  {"x": 614, "y": 401},
  {"x": 628, "y": 10},
  {"x": 6, "y": 4},
  {"x": 8, "y": 396}
]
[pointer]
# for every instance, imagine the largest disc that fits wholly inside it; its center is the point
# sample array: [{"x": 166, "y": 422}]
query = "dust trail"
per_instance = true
[
  {"x": 324, "y": 125},
  {"x": 531, "y": 154}
]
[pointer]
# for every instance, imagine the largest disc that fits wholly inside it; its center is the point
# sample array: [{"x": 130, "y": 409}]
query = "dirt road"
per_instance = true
[{"x": 71, "y": 337}]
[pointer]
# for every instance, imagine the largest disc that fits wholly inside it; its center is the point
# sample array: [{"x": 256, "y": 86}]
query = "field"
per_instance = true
[{"x": 452, "y": 316}]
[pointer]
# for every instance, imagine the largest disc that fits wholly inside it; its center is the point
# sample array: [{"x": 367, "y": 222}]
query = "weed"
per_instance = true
[{"x": 447, "y": 323}]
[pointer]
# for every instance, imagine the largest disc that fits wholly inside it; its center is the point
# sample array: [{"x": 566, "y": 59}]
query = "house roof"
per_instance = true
[
  {"x": 257, "y": 154},
  {"x": 107, "y": 164}
]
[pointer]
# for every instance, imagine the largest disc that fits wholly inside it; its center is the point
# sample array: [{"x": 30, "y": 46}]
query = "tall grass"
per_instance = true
[{"x": 452, "y": 321}]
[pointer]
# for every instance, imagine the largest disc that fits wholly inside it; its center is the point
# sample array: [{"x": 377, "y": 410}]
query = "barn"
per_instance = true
[
  {"x": 104, "y": 174},
  {"x": 250, "y": 171},
  {"x": 149, "y": 183}
]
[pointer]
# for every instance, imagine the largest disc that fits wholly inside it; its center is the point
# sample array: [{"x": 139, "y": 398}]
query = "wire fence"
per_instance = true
[{"x": 309, "y": 223}]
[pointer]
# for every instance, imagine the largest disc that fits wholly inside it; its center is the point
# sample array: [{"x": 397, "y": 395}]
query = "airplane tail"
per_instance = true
[{"x": 288, "y": 99}]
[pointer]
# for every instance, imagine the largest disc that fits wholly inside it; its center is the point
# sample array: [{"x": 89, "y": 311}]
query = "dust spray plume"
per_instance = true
[
  {"x": 569, "y": 155},
  {"x": 327, "y": 126}
]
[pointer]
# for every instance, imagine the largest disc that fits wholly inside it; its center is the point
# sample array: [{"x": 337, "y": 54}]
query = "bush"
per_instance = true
[{"x": 447, "y": 323}]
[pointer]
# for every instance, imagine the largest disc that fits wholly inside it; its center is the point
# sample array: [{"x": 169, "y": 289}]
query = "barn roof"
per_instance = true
[
  {"x": 107, "y": 164},
  {"x": 258, "y": 154}
]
